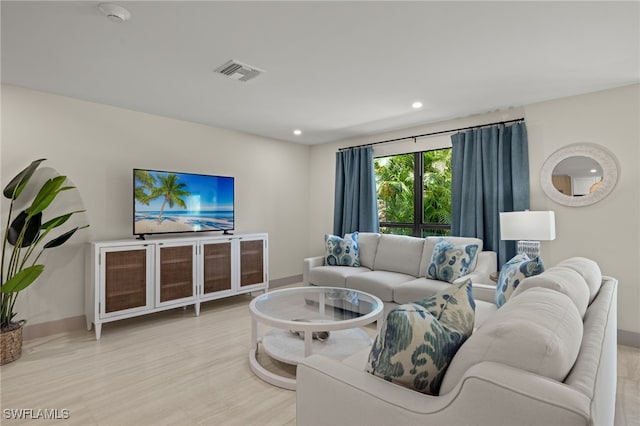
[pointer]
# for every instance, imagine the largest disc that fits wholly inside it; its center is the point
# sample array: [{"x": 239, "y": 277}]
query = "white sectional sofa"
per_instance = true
[
  {"x": 546, "y": 357},
  {"x": 393, "y": 268}
]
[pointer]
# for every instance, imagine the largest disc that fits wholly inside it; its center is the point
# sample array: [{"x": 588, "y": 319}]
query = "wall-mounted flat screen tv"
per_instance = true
[{"x": 168, "y": 202}]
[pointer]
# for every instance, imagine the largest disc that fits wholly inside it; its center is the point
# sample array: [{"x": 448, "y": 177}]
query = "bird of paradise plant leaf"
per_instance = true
[{"x": 26, "y": 233}]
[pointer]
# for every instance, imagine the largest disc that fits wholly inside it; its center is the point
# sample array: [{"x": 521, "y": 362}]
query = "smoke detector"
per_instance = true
[
  {"x": 114, "y": 12},
  {"x": 238, "y": 71}
]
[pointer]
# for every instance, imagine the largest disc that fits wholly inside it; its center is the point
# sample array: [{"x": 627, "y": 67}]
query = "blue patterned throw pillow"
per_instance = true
[
  {"x": 342, "y": 251},
  {"x": 449, "y": 262},
  {"x": 513, "y": 272},
  {"x": 418, "y": 340}
]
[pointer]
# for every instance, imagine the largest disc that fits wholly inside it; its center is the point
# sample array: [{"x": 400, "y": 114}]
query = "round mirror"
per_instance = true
[{"x": 579, "y": 174}]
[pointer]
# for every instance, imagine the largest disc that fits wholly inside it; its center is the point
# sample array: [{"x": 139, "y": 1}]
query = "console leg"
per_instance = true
[
  {"x": 197, "y": 308},
  {"x": 98, "y": 330}
]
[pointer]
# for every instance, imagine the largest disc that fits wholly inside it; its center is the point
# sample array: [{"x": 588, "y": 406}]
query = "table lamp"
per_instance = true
[{"x": 528, "y": 228}]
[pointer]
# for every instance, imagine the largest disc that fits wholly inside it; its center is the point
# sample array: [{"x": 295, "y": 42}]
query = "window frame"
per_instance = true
[{"x": 418, "y": 227}]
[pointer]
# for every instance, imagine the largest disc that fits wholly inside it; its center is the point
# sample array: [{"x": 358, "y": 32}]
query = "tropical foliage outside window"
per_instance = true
[{"x": 414, "y": 193}]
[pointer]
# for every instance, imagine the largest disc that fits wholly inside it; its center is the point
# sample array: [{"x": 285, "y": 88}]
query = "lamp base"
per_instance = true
[{"x": 530, "y": 248}]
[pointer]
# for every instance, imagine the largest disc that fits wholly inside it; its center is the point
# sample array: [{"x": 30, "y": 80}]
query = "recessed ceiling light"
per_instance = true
[
  {"x": 114, "y": 12},
  {"x": 417, "y": 105},
  {"x": 593, "y": 170},
  {"x": 297, "y": 132}
]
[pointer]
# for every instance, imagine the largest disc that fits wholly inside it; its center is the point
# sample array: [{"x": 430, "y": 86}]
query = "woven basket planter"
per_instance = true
[{"x": 11, "y": 344}]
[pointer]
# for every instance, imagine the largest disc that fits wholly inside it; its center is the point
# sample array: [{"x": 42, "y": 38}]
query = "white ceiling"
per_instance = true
[{"x": 333, "y": 69}]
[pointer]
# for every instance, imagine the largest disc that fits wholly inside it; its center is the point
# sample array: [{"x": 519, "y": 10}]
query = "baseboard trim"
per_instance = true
[
  {"x": 33, "y": 331},
  {"x": 629, "y": 338},
  {"x": 285, "y": 281}
]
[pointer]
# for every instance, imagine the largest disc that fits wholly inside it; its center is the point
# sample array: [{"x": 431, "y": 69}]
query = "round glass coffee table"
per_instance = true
[{"x": 306, "y": 320}]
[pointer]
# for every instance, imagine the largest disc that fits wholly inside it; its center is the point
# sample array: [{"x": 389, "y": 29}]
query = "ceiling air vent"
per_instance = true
[{"x": 239, "y": 71}]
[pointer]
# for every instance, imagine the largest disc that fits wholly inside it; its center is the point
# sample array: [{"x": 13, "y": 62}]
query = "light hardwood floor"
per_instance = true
[{"x": 173, "y": 368}]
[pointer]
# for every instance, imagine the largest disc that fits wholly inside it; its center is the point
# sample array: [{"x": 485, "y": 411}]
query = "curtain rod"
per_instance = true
[{"x": 434, "y": 133}]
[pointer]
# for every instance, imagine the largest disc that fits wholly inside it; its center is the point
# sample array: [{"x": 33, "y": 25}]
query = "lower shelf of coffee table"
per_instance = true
[{"x": 288, "y": 348}]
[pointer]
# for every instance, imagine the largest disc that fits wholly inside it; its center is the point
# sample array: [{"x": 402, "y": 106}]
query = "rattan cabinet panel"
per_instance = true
[
  {"x": 175, "y": 272},
  {"x": 216, "y": 263},
  {"x": 125, "y": 281},
  {"x": 252, "y": 265}
]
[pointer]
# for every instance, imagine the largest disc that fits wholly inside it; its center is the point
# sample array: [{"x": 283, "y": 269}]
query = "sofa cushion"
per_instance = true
[
  {"x": 513, "y": 272},
  {"x": 589, "y": 270},
  {"x": 378, "y": 283},
  {"x": 333, "y": 276},
  {"x": 342, "y": 251},
  {"x": 368, "y": 244},
  {"x": 484, "y": 311},
  {"x": 430, "y": 243},
  {"x": 449, "y": 262},
  {"x": 417, "y": 289},
  {"x": 418, "y": 340},
  {"x": 539, "y": 331},
  {"x": 560, "y": 279},
  {"x": 398, "y": 253}
]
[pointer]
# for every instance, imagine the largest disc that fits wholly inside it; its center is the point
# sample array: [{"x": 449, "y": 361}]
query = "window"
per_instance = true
[{"x": 414, "y": 193}]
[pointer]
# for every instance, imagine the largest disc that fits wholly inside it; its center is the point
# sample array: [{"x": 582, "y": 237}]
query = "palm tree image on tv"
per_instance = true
[
  {"x": 144, "y": 182},
  {"x": 171, "y": 191},
  {"x": 181, "y": 202}
]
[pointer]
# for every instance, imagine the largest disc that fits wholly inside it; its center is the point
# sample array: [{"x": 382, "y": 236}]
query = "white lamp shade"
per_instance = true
[{"x": 528, "y": 225}]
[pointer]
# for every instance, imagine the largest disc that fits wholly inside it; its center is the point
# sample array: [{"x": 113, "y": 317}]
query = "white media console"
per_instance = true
[{"x": 128, "y": 278}]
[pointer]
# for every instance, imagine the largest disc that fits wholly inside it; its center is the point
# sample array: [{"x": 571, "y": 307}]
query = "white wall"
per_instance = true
[
  {"x": 287, "y": 189},
  {"x": 608, "y": 232},
  {"x": 97, "y": 146}
]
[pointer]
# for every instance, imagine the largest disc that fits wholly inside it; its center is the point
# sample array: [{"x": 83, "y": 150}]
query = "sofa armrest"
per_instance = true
[
  {"x": 330, "y": 392},
  {"x": 350, "y": 393},
  {"x": 484, "y": 292},
  {"x": 310, "y": 262},
  {"x": 487, "y": 264}
]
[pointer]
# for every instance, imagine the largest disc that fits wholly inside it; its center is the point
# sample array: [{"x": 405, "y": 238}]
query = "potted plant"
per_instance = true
[{"x": 23, "y": 240}]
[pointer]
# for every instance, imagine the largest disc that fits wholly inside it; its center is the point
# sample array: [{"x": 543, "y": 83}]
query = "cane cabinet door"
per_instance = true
[
  {"x": 175, "y": 272},
  {"x": 217, "y": 271},
  {"x": 253, "y": 260},
  {"x": 125, "y": 276}
]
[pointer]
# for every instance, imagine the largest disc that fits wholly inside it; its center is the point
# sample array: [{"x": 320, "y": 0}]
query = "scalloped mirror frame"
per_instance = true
[{"x": 591, "y": 150}]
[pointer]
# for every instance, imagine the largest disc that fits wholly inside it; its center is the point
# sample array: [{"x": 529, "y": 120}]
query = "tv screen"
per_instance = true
[{"x": 166, "y": 202}]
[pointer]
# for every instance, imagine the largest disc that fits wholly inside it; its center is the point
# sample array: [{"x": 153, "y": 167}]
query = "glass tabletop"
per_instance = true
[{"x": 316, "y": 304}]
